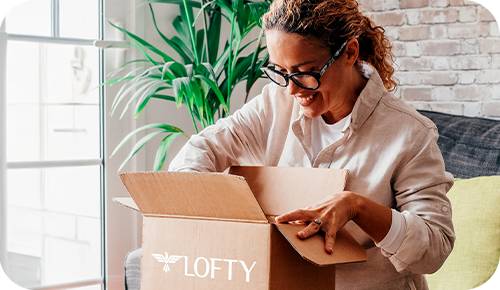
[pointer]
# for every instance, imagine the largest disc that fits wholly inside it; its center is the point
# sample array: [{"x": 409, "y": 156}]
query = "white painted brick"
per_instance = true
[
  {"x": 441, "y": 47},
  {"x": 414, "y": 32},
  {"x": 397, "y": 92},
  {"x": 413, "y": 49},
  {"x": 491, "y": 76},
  {"x": 420, "y": 105},
  {"x": 495, "y": 92},
  {"x": 434, "y": 16},
  {"x": 441, "y": 63},
  {"x": 469, "y": 46},
  {"x": 416, "y": 93},
  {"x": 494, "y": 30},
  {"x": 485, "y": 14},
  {"x": 485, "y": 29},
  {"x": 409, "y": 78},
  {"x": 473, "y": 109},
  {"x": 492, "y": 109},
  {"x": 372, "y": 5},
  {"x": 467, "y": 77},
  {"x": 468, "y": 30},
  {"x": 398, "y": 48},
  {"x": 439, "y": 78},
  {"x": 413, "y": 17},
  {"x": 489, "y": 45},
  {"x": 495, "y": 61},
  {"x": 438, "y": 32},
  {"x": 438, "y": 3},
  {"x": 442, "y": 93},
  {"x": 470, "y": 3},
  {"x": 470, "y": 62},
  {"x": 415, "y": 64},
  {"x": 447, "y": 108},
  {"x": 388, "y": 18},
  {"x": 456, "y": 2},
  {"x": 471, "y": 93},
  {"x": 406, "y": 4},
  {"x": 392, "y": 32},
  {"x": 467, "y": 14},
  {"x": 391, "y": 4}
]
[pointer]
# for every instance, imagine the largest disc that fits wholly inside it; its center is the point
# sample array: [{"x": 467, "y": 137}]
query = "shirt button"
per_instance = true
[
  {"x": 444, "y": 209},
  {"x": 355, "y": 126}
]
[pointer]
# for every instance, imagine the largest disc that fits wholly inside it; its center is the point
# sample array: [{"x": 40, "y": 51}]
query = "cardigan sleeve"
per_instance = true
[
  {"x": 421, "y": 186},
  {"x": 239, "y": 139}
]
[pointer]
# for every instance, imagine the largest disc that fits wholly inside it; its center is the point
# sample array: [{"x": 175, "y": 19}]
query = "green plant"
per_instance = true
[{"x": 199, "y": 76}]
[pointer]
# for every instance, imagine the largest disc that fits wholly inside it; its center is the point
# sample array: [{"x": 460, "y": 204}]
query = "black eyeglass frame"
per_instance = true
[{"x": 316, "y": 75}]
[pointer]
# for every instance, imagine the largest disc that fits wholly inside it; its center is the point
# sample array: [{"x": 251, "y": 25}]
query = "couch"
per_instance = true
[{"x": 471, "y": 151}]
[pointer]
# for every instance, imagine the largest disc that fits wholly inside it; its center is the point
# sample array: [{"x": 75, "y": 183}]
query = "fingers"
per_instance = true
[
  {"x": 310, "y": 230},
  {"x": 296, "y": 215},
  {"x": 330, "y": 241}
]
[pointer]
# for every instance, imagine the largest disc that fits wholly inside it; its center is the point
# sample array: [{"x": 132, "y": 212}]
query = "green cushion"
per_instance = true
[{"x": 476, "y": 218}]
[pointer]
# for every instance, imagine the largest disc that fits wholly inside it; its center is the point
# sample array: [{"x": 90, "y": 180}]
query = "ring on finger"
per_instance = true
[{"x": 318, "y": 222}]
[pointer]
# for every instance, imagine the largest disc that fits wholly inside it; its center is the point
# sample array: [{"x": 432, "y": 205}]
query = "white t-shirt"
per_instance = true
[{"x": 323, "y": 135}]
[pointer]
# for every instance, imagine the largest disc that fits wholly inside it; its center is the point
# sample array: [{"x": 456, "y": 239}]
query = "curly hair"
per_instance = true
[{"x": 333, "y": 22}]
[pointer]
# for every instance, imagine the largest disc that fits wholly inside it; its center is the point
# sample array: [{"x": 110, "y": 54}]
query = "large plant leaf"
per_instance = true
[
  {"x": 162, "y": 151},
  {"x": 182, "y": 30},
  {"x": 184, "y": 54},
  {"x": 166, "y": 128},
  {"x": 142, "y": 43}
]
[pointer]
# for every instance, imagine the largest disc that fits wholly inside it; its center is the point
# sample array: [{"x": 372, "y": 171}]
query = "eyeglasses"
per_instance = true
[{"x": 305, "y": 80}]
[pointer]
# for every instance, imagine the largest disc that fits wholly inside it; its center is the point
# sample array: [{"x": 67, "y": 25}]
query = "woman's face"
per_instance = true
[{"x": 291, "y": 53}]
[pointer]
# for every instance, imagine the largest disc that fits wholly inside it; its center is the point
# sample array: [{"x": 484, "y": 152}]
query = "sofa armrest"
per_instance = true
[{"x": 133, "y": 269}]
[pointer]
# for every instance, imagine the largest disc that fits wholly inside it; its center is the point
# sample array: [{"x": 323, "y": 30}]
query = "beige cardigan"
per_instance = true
[{"x": 390, "y": 151}]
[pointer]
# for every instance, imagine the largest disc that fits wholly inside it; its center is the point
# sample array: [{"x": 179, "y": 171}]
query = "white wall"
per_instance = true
[{"x": 124, "y": 227}]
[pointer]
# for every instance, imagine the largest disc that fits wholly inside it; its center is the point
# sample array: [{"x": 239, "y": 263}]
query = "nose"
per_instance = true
[{"x": 293, "y": 88}]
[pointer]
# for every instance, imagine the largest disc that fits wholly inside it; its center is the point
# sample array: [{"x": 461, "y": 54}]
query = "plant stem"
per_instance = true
[
  {"x": 193, "y": 42},
  {"x": 192, "y": 118},
  {"x": 206, "y": 32},
  {"x": 230, "y": 63},
  {"x": 254, "y": 59}
]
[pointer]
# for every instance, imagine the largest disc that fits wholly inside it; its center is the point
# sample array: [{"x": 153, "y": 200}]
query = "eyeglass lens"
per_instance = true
[{"x": 306, "y": 81}]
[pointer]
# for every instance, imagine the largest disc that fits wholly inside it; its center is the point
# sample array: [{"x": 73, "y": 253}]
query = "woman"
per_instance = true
[{"x": 329, "y": 106}]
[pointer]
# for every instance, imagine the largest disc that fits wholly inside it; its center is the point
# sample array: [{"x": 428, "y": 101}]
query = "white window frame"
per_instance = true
[{"x": 121, "y": 228}]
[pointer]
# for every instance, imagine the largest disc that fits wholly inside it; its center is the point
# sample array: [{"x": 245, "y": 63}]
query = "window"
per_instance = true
[{"x": 54, "y": 145}]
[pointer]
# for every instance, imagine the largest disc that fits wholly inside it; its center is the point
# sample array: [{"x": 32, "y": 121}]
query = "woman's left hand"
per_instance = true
[{"x": 333, "y": 212}]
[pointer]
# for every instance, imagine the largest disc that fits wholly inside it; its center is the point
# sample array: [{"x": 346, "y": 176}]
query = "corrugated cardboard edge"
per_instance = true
[
  {"x": 134, "y": 191},
  {"x": 127, "y": 202},
  {"x": 316, "y": 243},
  {"x": 343, "y": 236}
]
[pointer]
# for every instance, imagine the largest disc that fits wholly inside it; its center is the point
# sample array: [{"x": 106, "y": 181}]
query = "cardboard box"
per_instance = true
[{"x": 217, "y": 231}]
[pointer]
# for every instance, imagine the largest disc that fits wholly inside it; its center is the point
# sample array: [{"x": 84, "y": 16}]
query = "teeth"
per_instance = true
[{"x": 305, "y": 99}]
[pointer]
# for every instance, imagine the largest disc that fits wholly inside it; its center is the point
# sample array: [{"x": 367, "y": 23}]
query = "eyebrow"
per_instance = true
[{"x": 294, "y": 66}]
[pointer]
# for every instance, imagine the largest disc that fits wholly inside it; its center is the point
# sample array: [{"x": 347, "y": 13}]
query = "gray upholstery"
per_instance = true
[
  {"x": 470, "y": 148},
  {"x": 133, "y": 270}
]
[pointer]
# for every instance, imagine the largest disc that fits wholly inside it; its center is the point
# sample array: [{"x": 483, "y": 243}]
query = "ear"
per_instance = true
[{"x": 351, "y": 52}]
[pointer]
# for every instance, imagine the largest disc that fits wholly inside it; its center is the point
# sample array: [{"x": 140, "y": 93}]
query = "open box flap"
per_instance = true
[
  {"x": 345, "y": 250},
  {"x": 188, "y": 194},
  {"x": 283, "y": 189},
  {"x": 127, "y": 202}
]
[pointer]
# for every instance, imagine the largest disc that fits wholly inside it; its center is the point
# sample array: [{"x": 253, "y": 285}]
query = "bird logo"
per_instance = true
[{"x": 167, "y": 260}]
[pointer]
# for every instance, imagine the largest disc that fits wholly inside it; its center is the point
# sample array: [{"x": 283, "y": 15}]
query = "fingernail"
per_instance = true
[{"x": 330, "y": 250}]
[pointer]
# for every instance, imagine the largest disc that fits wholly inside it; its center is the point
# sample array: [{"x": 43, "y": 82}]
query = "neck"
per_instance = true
[{"x": 353, "y": 92}]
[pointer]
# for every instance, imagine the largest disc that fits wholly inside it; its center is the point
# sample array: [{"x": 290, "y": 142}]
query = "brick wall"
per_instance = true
[{"x": 447, "y": 54}]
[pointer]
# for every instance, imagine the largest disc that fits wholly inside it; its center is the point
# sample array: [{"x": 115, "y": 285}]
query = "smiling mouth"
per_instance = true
[{"x": 305, "y": 100}]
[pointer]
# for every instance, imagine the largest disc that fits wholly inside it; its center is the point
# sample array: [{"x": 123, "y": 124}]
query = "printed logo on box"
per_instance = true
[{"x": 210, "y": 266}]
